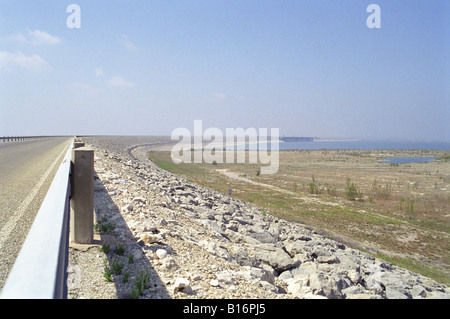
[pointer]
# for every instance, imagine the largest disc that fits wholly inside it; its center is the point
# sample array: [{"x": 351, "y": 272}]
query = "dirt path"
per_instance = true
[
  {"x": 236, "y": 176},
  {"x": 313, "y": 200}
]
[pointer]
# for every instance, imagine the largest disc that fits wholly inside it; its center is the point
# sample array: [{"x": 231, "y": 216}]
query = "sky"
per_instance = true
[{"x": 309, "y": 68}]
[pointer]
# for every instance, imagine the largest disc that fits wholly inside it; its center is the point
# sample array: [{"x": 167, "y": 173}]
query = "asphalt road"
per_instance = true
[{"x": 27, "y": 169}]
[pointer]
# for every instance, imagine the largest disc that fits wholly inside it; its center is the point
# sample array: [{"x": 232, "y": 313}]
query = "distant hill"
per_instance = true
[{"x": 296, "y": 139}]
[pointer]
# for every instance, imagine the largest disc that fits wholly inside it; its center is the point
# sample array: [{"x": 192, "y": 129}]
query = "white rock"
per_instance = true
[
  {"x": 161, "y": 253},
  {"x": 298, "y": 287},
  {"x": 127, "y": 208},
  {"x": 140, "y": 199},
  {"x": 169, "y": 264},
  {"x": 226, "y": 278},
  {"x": 183, "y": 285},
  {"x": 150, "y": 239}
]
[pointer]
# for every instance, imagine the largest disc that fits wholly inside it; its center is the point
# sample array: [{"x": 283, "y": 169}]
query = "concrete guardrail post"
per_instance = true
[
  {"x": 82, "y": 199},
  {"x": 77, "y": 144}
]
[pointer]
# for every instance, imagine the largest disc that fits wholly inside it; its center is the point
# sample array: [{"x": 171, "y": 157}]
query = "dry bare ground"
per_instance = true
[{"x": 396, "y": 212}]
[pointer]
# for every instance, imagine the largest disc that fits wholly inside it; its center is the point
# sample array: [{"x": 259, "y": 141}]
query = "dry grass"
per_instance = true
[{"x": 399, "y": 213}]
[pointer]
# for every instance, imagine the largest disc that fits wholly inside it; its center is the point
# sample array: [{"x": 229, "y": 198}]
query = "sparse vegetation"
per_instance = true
[
  {"x": 374, "y": 209},
  {"x": 120, "y": 249},
  {"x": 444, "y": 158},
  {"x": 116, "y": 266},
  {"x": 352, "y": 192},
  {"x": 379, "y": 192},
  {"x": 107, "y": 274},
  {"x": 142, "y": 281},
  {"x": 126, "y": 276},
  {"x": 313, "y": 189},
  {"x": 331, "y": 191},
  {"x": 408, "y": 206},
  {"x": 103, "y": 226},
  {"x": 105, "y": 247}
]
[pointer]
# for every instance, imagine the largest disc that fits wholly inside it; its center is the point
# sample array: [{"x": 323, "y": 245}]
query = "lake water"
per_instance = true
[
  {"x": 373, "y": 145},
  {"x": 352, "y": 145},
  {"x": 407, "y": 160},
  {"x": 365, "y": 145}
]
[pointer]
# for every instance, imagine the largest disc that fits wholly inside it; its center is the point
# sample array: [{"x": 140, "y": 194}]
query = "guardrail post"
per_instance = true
[
  {"x": 78, "y": 144},
  {"x": 82, "y": 199}
]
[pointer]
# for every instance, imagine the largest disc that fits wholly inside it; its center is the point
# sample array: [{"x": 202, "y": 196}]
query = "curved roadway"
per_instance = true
[{"x": 27, "y": 169}]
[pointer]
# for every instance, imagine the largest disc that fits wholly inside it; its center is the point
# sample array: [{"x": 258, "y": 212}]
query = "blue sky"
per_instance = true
[{"x": 309, "y": 68}]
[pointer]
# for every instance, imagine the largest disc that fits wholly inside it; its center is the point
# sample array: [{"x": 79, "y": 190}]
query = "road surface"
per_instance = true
[{"x": 27, "y": 169}]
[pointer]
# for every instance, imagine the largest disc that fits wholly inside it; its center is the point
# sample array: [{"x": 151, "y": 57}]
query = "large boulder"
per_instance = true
[{"x": 274, "y": 256}]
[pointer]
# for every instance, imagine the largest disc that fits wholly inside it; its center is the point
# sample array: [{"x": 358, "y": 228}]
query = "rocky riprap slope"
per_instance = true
[{"x": 194, "y": 242}]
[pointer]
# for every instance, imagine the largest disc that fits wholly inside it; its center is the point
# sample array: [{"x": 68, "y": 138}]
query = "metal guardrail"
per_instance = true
[
  {"x": 17, "y": 138},
  {"x": 22, "y": 138},
  {"x": 40, "y": 268}
]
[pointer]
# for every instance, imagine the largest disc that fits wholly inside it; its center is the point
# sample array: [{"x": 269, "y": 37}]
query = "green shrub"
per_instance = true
[
  {"x": 380, "y": 192},
  {"x": 142, "y": 281},
  {"x": 120, "y": 249},
  {"x": 351, "y": 191},
  {"x": 116, "y": 267},
  {"x": 313, "y": 189},
  {"x": 104, "y": 226},
  {"x": 105, "y": 247},
  {"x": 407, "y": 205}
]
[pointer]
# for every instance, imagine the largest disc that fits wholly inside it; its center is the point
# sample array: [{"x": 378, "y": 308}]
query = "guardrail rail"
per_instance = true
[
  {"x": 18, "y": 138},
  {"x": 40, "y": 270}
]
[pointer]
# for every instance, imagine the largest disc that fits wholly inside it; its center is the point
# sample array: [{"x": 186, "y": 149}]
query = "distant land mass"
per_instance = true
[{"x": 296, "y": 139}]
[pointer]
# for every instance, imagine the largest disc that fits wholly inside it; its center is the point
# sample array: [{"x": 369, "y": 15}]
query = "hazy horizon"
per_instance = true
[{"x": 309, "y": 68}]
